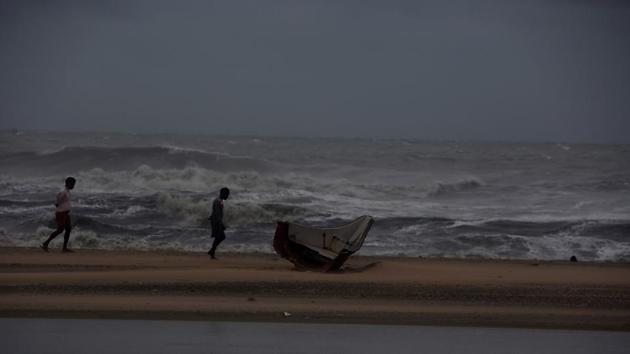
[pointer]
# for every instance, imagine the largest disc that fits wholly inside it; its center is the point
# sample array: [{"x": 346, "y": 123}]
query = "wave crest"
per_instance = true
[
  {"x": 467, "y": 184},
  {"x": 195, "y": 211},
  {"x": 71, "y": 160}
]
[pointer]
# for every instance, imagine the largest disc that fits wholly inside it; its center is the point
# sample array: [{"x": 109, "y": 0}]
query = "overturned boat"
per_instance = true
[{"x": 322, "y": 249}]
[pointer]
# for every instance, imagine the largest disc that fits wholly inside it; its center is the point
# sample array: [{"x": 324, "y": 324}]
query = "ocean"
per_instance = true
[{"x": 429, "y": 199}]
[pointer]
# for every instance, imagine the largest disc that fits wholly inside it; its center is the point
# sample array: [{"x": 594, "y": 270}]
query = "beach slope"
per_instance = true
[{"x": 246, "y": 287}]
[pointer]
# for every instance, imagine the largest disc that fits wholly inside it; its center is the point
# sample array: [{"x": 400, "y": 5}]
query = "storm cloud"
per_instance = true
[{"x": 457, "y": 70}]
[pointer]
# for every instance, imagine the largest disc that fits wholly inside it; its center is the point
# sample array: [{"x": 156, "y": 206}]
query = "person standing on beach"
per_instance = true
[
  {"x": 62, "y": 216},
  {"x": 216, "y": 220}
]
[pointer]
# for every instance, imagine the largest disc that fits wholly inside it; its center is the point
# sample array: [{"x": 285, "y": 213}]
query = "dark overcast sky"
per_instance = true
[{"x": 555, "y": 70}]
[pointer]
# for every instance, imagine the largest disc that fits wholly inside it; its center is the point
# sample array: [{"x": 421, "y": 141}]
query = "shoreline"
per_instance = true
[{"x": 261, "y": 287}]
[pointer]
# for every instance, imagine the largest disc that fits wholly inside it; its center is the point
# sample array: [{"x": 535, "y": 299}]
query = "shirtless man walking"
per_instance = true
[{"x": 216, "y": 220}]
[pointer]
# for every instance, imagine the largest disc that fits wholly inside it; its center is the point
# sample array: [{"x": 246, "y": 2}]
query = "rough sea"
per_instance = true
[{"x": 429, "y": 199}]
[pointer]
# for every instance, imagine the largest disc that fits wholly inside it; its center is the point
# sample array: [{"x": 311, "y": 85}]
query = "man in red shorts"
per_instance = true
[{"x": 62, "y": 215}]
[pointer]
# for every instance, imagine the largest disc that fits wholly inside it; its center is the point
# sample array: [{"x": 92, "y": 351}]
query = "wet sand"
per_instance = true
[{"x": 237, "y": 287}]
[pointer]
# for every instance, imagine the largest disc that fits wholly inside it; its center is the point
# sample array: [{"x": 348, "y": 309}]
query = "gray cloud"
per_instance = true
[{"x": 489, "y": 70}]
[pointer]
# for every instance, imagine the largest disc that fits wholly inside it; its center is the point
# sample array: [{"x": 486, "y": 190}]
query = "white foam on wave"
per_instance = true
[
  {"x": 465, "y": 184},
  {"x": 614, "y": 251},
  {"x": 416, "y": 229},
  {"x": 174, "y": 149},
  {"x": 131, "y": 210},
  {"x": 415, "y": 240},
  {"x": 462, "y": 222},
  {"x": 190, "y": 210},
  {"x": 87, "y": 239},
  {"x": 184, "y": 208},
  {"x": 147, "y": 180},
  {"x": 51, "y": 151},
  {"x": 13, "y": 186},
  {"x": 177, "y": 149},
  {"x": 564, "y": 147},
  {"x": 491, "y": 247},
  {"x": 19, "y": 211},
  {"x": 563, "y": 247},
  {"x": 325, "y": 195},
  {"x": 504, "y": 250}
]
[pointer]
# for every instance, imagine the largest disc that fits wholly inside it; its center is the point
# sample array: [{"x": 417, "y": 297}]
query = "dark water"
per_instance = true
[
  {"x": 495, "y": 200},
  {"x": 136, "y": 336}
]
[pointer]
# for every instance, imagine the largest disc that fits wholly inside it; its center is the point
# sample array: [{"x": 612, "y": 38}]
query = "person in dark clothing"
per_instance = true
[
  {"x": 62, "y": 216},
  {"x": 216, "y": 221}
]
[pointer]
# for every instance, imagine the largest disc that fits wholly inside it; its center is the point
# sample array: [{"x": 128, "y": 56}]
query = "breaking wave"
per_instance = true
[
  {"x": 436, "y": 226},
  {"x": 179, "y": 223},
  {"x": 440, "y": 188},
  {"x": 159, "y": 196},
  {"x": 147, "y": 180},
  {"x": 601, "y": 240},
  {"x": 195, "y": 210},
  {"x": 70, "y": 160}
]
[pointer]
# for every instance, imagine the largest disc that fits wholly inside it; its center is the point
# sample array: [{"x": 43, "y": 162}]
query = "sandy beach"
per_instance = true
[{"x": 260, "y": 287}]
